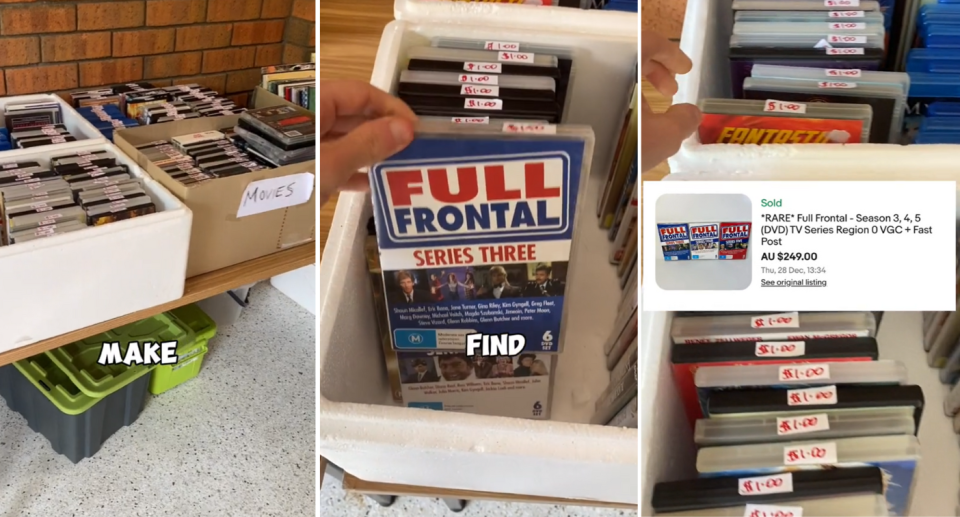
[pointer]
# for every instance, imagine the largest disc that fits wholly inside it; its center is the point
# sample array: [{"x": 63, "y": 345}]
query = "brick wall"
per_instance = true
[{"x": 62, "y": 46}]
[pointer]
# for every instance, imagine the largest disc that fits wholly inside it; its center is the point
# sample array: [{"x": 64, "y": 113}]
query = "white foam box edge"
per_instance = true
[
  {"x": 67, "y": 282},
  {"x": 705, "y": 39},
  {"x": 360, "y": 429},
  {"x": 78, "y": 126},
  {"x": 300, "y": 285}
]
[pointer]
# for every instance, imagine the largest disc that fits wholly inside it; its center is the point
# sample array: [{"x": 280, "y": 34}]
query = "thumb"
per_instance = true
[
  {"x": 367, "y": 144},
  {"x": 664, "y": 132}
]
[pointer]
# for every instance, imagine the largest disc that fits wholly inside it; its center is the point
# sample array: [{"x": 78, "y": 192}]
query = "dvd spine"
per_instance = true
[
  {"x": 372, "y": 253},
  {"x": 615, "y": 397}
]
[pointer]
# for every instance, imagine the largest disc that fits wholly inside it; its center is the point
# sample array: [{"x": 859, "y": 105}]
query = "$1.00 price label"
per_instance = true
[
  {"x": 478, "y": 78},
  {"x": 502, "y": 45},
  {"x": 847, "y": 26},
  {"x": 836, "y": 72},
  {"x": 483, "y": 104},
  {"x": 846, "y": 14},
  {"x": 775, "y": 106},
  {"x": 840, "y": 38},
  {"x": 529, "y": 127},
  {"x": 802, "y": 424},
  {"x": 841, "y": 3},
  {"x": 769, "y": 510},
  {"x": 470, "y": 120},
  {"x": 810, "y": 454},
  {"x": 781, "y": 348},
  {"x": 490, "y": 68},
  {"x": 845, "y": 85},
  {"x": 476, "y": 89},
  {"x": 804, "y": 372},
  {"x": 519, "y": 57},
  {"x": 785, "y": 320},
  {"x": 819, "y": 396},
  {"x": 844, "y": 51},
  {"x": 760, "y": 485}
]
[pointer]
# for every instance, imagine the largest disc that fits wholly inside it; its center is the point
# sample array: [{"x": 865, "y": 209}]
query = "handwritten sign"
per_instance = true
[
  {"x": 810, "y": 454},
  {"x": 515, "y": 57},
  {"x": 775, "y": 106},
  {"x": 478, "y": 79},
  {"x": 511, "y": 46},
  {"x": 470, "y": 120},
  {"x": 762, "y": 485},
  {"x": 847, "y": 26},
  {"x": 836, "y": 72},
  {"x": 490, "y": 68},
  {"x": 781, "y": 348},
  {"x": 276, "y": 193},
  {"x": 819, "y": 396},
  {"x": 529, "y": 127},
  {"x": 769, "y": 510},
  {"x": 845, "y": 85},
  {"x": 846, "y": 14},
  {"x": 844, "y": 51},
  {"x": 850, "y": 40},
  {"x": 483, "y": 104},
  {"x": 802, "y": 424},
  {"x": 804, "y": 372},
  {"x": 785, "y": 320}
]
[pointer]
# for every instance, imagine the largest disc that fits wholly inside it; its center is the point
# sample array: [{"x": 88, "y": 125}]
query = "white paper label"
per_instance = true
[
  {"x": 844, "y": 85},
  {"x": 529, "y": 127},
  {"x": 476, "y": 89},
  {"x": 769, "y": 510},
  {"x": 810, "y": 454},
  {"x": 802, "y": 424},
  {"x": 515, "y": 57},
  {"x": 781, "y": 348},
  {"x": 837, "y": 72},
  {"x": 483, "y": 104},
  {"x": 819, "y": 396},
  {"x": 847, "y": 26},
  {"x": 844, "y": 51},
  {"x": 470, "y": 120},
  {"x": 478, "y": 79},
  {"x": 846, "y": 14},
  {"x": 775, "y": 106},
  {"x": 276, "y": 193},
  {"x": 511, "y": 46},
  {"x": 804, "y": 372},
  {"x": 850, "y": 40},
  {"x": 784, "y": 320},
  {"x": 475, "y": 66},
  {"x": 841, "y": 3},
  {"x": 761, "y": 485}
]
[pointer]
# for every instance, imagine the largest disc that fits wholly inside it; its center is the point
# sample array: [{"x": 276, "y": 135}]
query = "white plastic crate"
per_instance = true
[
  {"x": 706, "y": 31},
  {"x": 63, "y": 283},
  {"x": 78, "y": 126},
  {"x": 359, "y": 428}
]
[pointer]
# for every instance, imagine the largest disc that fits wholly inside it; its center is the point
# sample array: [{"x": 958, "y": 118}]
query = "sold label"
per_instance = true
[
  {"x": 761, "y": 485},
  {"x": 774, "y": 106},
  {"x": 518, "y": 57},
  {"x": 836, "y": 72},
  {"x": 781, "y": 348},
  {"x": 836, "y": 85},
  {"x": 810, "y": 454},
  {"x": 769, "y": 510},
  {"x": 802, "y": 424},
  {"x": 804, "y": 372},
  {"x": 483, "y": 104},
  {"x": 474, "y": 89},
  {"x": 478, "y": 78},
  {"x": 819, "y": 396},
  {"x": 851, "y": 40},
  {"x": 490, "y": 68},
  {"x": 785, "y": 320}
]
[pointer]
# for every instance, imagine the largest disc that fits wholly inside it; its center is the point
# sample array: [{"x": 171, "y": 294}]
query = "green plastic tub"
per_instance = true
[{"x": 189, "y": 353}]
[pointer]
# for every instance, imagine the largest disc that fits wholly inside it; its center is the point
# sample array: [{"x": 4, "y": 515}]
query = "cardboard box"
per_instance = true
[
  {"x": 219, "y": 238},
  {"x": 263, "y": 99}
]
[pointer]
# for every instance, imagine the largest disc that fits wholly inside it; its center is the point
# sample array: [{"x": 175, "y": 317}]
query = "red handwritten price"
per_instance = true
[
  {"x": 780, "y": 349},
  {"x": 470, "y": 120},
  {"x": 836, "y": 85},
  {"x": 841, "y": 3},
  {"x": 523, "y": 127},
  {"x": 810, "y": 454},
  {"x": 786, "y": 320},
  {"x": 486, "y": 91},
  {"x": 802, "y": 424},
  {"x": 836, "y": 72},
  {"x": 846, "y": 14},
  {"x": 775, "y": 106},
  {"x": 519, "y": 57},
  {"x": 839, "y": 38},
  {"x": 805, "y": 372},
  {"x": 844, "y": 51},
  {"x": 492, "y": 68},
  {"x": 775, "y": 484},
  {"x": 483, "y": 104},
  {"x": 478, "y": 78},
  {"x": 769, "y": 510},
  {"x": 502, "y": 45},
  {"x": 819, "y": 396},
  {"x": 847, "y": 26}
]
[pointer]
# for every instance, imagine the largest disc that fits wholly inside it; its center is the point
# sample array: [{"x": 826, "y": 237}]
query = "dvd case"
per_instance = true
[{"x": 782, "y": 428}]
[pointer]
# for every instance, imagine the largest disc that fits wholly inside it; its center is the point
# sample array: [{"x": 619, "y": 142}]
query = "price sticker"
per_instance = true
[
  {"x": 470, "y": 120},
  {"x": 775, "y": 106},
  {"x": 515, "y": 57},
  {"x": 843, "y": 85},
  {"x": 804, "y": 372},
  {"x": 810, "y": 454},
  {"x": 781, "y": 348},
  {"x": 847, "y": 26},
  {"x": 529, "y": 127},
  {"x": 802, "y": 424},
  {"x": 841, "y": 3},
  {"x": 770, "y": 510},
  {"x": 483, "y": 104},
  {"x": 851, "y": 40},
  {"x": 490, "y": 68},
  {"x": 511, "y": 46},
  {"x": 475, "y": 89},
  {"x": 761, "y": 485},
  {"x": 844, "y": 51},
  {"x": 837, "y": 72},
  {"x": 819, "y": 396},
  {"x": 785, "y": 320},
  {"x": 478, "y": 79}
]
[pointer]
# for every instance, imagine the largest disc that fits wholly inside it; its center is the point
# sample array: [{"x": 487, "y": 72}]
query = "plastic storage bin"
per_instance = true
[
  {"x": 225, "y": 308},
  {"x": 193, "y": 329},
  {"x": 120, "y": 267},
  {"x": 360, "y": 429}
]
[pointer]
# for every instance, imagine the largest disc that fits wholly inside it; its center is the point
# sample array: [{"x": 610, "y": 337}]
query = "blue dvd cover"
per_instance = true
[
  {"x": 675, "y": 241},
  {"x": 475, "y": 231}
]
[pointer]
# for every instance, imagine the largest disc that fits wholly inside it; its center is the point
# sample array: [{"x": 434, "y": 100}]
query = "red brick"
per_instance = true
[
  {"x": 216, "y": 83},
  {"x": 243, "y": 81},
  {"x": 233, "y": 10},
  {"x": 161, "y": 82},
  {"x": 295, "y": 54},
  {"x": 254, "y": 33},
  {"x": 299, "y": 32},
  {"x": 201, "y": 37},
  {"x": 38, "y": 19},
  {"x": 109, "y": 15},
  {"x": 111, "y": 71},
  {"x": 175, "y": 12},
  {"x": 269, "y": 55},
  {"x": 19, "y": 51},
  {"x": 240, "y": 99},
  {"x": 228, "y": 59},
  {"x": 276, "y": 8},
  {"x": 305, "y": 9},
  {"x": 47, "y": 78},
  {"x": 3, "y": 87},
  {"x": 172, "y": 65},
  {"x": 143, "y": 42},
  {"x": 76, "y": 46}
]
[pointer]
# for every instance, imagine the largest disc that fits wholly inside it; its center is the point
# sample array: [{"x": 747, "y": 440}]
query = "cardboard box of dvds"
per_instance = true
[{"x": 223, "y": 233}]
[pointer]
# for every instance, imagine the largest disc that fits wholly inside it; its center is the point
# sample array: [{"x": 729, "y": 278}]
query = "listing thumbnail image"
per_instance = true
[
  {"x": 430, "y": 367},
  {"x": 531, "y": 280}
]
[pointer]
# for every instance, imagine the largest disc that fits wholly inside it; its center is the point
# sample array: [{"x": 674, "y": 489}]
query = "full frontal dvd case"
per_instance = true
[
  {"x": 726, "y": 491},
  {"x": 704, "y": 241},
  {"x": 734, "y": 241},
  {"x": 865, "y": 505},
  {"x": 674, "y": 240},
  {"x": 895, "y": 456},
  {"x": 492, "y": 256},
  {"x": 813, "y": 426}
]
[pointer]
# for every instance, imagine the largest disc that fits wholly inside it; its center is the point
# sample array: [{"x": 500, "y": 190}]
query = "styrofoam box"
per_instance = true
[
  {"x": 359, "y": 427},
  {"x": 706, "y": 36},
  {"x": 78, "y": 126},
  {"x": 300, "y": 285},
  {"x": 66, "y": 282},
  {"x": 668, "y": 452}
]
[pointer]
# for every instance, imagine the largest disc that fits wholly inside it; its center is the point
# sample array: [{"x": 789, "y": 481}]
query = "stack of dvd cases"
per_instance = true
[
  {"x": 279, "y": 135},
  {"x": 200, "y": 157},
  {"x": 934, "y": 97},
  {"x": 771, "y": 396},
  {"x": 296, "y": 83},
  {"x": 32, "y": 124}
]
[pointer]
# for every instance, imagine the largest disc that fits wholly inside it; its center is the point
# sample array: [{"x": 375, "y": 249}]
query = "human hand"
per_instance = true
[
  {"x": 662, "y": 133},
  {"x": 360, "y": 125}
]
